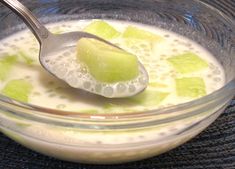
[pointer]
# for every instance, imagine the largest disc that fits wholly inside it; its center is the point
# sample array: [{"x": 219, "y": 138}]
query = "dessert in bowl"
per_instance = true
[{"x": 191, "y": 80}]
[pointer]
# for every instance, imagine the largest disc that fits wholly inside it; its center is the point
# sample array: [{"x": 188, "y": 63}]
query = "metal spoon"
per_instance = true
[{"x": 51, "y": 46}]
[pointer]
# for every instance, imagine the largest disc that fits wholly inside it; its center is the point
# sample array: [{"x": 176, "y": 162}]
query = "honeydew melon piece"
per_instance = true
[
  {"x": 18, "y": 90},
  {"x": 187, "y": 63},
  {"x": 102, "y": 29},
  {"x": 140, "y": 34},
  {"x": 6, "y": 64},
  {"x": 25, "y": 58},
  {"x": 107, "y": 63},
  {"x": 157, "y": 85},
  {"x": 190, "y": 87},
  {"x": 149, "y": 97}
]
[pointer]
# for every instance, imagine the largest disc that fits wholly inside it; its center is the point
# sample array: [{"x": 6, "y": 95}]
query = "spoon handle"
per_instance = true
[{"x": 29, "y": 19}]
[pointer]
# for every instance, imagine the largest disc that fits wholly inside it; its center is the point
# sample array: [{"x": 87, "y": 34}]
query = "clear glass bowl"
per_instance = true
[{"x": 105, "y": 139}]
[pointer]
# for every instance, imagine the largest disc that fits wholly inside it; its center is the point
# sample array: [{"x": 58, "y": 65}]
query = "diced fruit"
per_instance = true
[
  {"x": 25, "y": 58},
  {"x": 6, "y": 64},
  {"x": 157, "y": 84},
  {"x": 139, "y": 34},
  {"x": 188, "y": 63},
  {"x": 190, "y": 87},
  {"x": 149, "y": 97},
  {"x": 105, "y": 62},
  {"x": 18, "y": 90},
  {"x": 102, "y": 29}
]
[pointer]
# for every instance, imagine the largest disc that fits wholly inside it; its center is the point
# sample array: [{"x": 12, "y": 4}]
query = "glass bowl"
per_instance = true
[{"x": 107, "y": 138}]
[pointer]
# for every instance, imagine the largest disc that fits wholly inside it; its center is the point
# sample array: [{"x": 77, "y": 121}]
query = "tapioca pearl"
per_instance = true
[
  {"x": 212, "y": 66},
  {"x": 51, "y": 63},
  {"x": 162, "y": 133},
  {"x": 135, "y": 48},
  {"x": 87, "y": 85},
  {"x": 60, "y": 106},
  {"x": 191, "y": 48},
  {"x": 121, "y": 88},
  {"x": 173, "y": 129},
  {"x": 63, "y": 97},
  {"x": 14, "y": 47},
  {"x": 16, "y": 39},
  {"x": 174, "y": 50},
  {"x": 66, "y": 53},
  {"x": 217, "y": 79},
  {"x": 108, "y": 91},
  {"x": 48, "y": 92},
  {"x": 52, "y": 95},
  {"x": 5, "y": 44},
  {"x": 98, "y": 142},
  {"x": 27, "y": 77},
  {"x": 50, "y": 83},
  {"x": 188, "y": 44},
  {"x": 141, "y": 137},
  {"x": 144, "y": 46},
  {"x": 216, "y": 71},
  {"x": 36, "y": 93},
  {"x": 131, "y": 88},
  {"x": 147, "y": 54},
  {"x": 186, "y": 50},
  {"x": 167, "y": 36},
  {"x": 163, "y": 55}
]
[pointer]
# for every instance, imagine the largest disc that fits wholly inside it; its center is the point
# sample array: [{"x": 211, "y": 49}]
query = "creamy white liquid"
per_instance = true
[{"x": 52, "y": 93}]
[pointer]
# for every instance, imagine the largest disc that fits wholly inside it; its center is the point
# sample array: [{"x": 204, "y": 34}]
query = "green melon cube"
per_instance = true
[
  {"x": 188, "y": 63},
  {"x": 149, "y": 97},
  {"x": 6, "y": 64},
  {"x": 107, "y": 63},
  {"x": 18, "y": 90},
  {"x": 25, "y": 58},
  {"x": 139, "y": 34},
  {"x": 190, "y": 87},
  {"x": 102, "y": 29}
]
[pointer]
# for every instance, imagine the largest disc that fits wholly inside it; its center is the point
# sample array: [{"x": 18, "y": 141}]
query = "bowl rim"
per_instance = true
[{"x": 227, "y": 91}]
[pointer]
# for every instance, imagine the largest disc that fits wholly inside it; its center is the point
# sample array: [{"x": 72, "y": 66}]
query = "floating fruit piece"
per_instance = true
[
  {"x": 140, "y": 34},
  {"x": 187, "y": 63},
  {"x": 6, "y": 64},
  {"x": 107, "y": 63},
  {"x": 157, "y": 84},
  {"x": 25, "y": 58},
  {"x": 102, "y": 29},
  {"x": 18, "y": 90},
  {"x": 190, "y": 87},
  {"x": 149, "y": 97}
]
